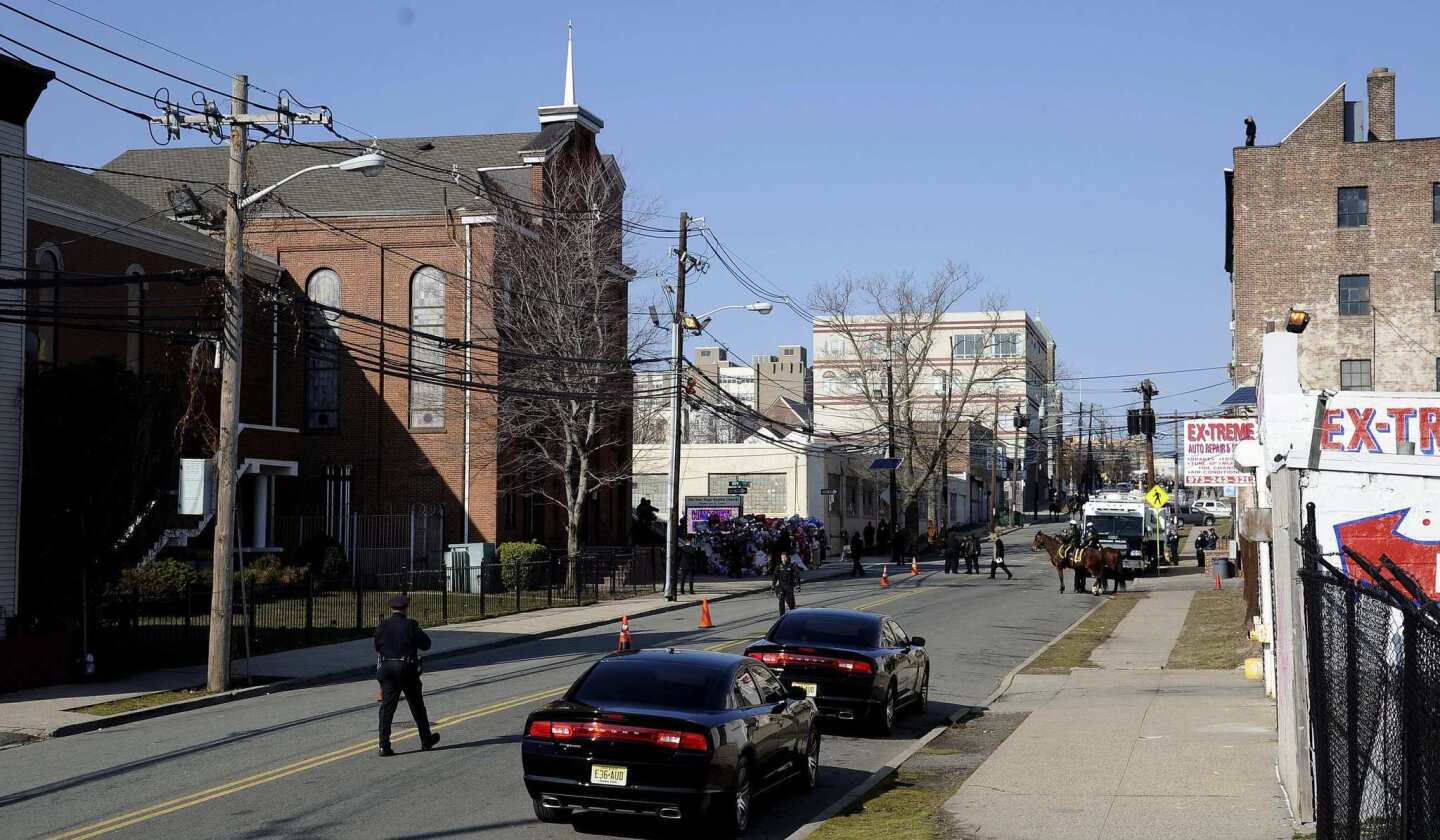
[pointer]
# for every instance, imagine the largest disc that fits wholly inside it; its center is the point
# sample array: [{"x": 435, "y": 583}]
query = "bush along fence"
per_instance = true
[
  {"x": 160, "y": 617},
  {"x": 1373, "y": 644}
]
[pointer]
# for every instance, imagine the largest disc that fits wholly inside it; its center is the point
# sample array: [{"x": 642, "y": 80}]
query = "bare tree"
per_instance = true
[
  {"x": 936, "y": 388},
  {"x": 563, "y": 315}
]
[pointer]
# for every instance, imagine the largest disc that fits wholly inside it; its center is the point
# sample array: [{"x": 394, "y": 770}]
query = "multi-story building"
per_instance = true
[
  {"x": 416, "y": 249},
  {"x": 20, "y": 87},
  {"x": 727, "y": 402},
  {"x": 1340, "y": 219},
  {"x": 990, "y": 366}
]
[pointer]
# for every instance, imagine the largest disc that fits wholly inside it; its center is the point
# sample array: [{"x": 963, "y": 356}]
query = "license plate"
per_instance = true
[
  {"x": 811, "y": 689},
  {"x": 605, "y": 774}
]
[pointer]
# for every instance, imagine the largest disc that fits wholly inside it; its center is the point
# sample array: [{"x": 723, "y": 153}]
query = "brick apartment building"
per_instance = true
[
  {"x": 410, "y": 249},
  {"x": 1342, "y": 220}
]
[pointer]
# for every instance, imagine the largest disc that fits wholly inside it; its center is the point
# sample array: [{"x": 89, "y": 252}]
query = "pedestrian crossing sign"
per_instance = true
[{"x": 1157, "y": 497}]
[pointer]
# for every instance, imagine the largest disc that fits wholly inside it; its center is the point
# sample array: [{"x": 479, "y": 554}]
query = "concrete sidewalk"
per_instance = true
[
  {"x": 1130, "y": 749},
  {"x": 45, "y": 712}
]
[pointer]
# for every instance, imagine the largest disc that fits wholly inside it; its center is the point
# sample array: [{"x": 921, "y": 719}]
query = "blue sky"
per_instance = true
[{"x": 1071, "y": 153}]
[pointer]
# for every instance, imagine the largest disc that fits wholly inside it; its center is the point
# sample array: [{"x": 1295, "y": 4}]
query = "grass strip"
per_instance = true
[
  {"x": 139, "y": 701},
  {"x": 1215, "y": 636},
  {"x": 1074, "y": 648}
]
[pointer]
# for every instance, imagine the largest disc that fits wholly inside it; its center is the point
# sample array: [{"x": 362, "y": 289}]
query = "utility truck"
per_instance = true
[{"x": 1127, "y": 523}]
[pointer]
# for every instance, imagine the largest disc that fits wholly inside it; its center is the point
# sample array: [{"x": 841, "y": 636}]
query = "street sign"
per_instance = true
[
  {"x": 885, "y": 464},
  {"x": 739, "y": 482},
  {"x": 1157, "y": 497},
  {"x": 829, "y": 491}
]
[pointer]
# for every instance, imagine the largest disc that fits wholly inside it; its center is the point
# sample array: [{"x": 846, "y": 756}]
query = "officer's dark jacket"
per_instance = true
[
  {"x": 786, "y": 578},
  {"x": 398, "y": 637}
]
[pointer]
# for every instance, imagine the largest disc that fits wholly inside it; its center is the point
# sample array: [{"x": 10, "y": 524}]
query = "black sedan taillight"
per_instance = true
[
  {"x": 780, "y": 659},
  {"x": 592, "y": 731}
]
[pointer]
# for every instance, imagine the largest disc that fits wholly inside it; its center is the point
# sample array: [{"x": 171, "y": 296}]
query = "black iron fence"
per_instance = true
[
  {"x": 1373, "y": 642},
  {"x": 134, "y": 631}
]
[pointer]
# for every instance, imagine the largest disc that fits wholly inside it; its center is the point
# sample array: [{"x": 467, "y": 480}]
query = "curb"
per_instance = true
[
  {"x": 893, "y": 766},
  {"x": 110, "y": 721}
]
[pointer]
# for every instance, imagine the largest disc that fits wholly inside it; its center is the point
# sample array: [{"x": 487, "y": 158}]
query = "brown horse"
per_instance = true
[{"x": 1102, "y": 564}]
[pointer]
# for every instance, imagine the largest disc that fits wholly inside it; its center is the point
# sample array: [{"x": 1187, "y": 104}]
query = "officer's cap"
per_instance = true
[{"x": 400, "y": 603}]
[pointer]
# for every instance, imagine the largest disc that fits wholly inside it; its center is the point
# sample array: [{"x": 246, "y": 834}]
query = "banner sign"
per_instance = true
[
  {"x": 699, "y": 509},
  {"x": 1210, "y": 452}
]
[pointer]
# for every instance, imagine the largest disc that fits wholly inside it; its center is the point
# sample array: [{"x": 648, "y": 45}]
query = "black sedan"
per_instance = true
[
  {"x": 854, "y": 665},
  {"x": 675, "y": 734}
]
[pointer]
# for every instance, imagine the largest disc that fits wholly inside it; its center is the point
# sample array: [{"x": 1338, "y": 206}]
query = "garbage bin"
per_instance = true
[{"x": 1222, "y": 567}]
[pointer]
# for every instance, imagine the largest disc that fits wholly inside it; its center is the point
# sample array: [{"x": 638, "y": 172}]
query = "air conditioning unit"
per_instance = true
[
  {"x": 472, "y": 568},
  {"x": 197, "y": 487}
]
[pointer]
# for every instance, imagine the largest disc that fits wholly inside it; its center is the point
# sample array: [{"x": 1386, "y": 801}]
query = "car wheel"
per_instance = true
[
  {"x": 547, "y": 814},
  {"x": 732, "y": 817},
  {"x": 922, "y": 701},
  {"x": 884, "y": 722},
  {"x": 809, "y": 762},
  {"x": 1209, "y": 520}
]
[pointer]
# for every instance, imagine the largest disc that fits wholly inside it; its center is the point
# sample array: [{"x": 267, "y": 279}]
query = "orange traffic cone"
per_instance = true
[
  {"x": 624, "y": 643},
  {"x": 914, "y": 566},
  {"x": 705, "y": 621},
  {"x": 884, "y": 577},
  {"x": 1217, "y": 583}
]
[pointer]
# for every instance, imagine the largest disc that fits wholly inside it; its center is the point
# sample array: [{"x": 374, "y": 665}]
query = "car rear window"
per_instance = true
[
  {"x": 661, "y": 683},
  {"x": 802, "y": 629}
]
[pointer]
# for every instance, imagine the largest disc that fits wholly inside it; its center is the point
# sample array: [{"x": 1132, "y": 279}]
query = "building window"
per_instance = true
[
  {"x": 134, "y": 307},
  {"x": 1437, "y": 291},
  {"x": 47, "y": 302},
  {"x": 1355, "y": 375},
  {"x": 1353, "y": 204},
  {"x": 322, "y": 357},
  {"x": 1437, "y": 374},
  {"x": 966, "y": 346},
  {"x": 1354, "y": 294},
  {"x": 1006, "y": 344},
  {"x": 1435, "y": 203},
  {"x": 427, "y": 355}
]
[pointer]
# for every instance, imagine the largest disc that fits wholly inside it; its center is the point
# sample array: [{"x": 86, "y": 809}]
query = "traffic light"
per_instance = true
[{"x": 1140, "y": 421}]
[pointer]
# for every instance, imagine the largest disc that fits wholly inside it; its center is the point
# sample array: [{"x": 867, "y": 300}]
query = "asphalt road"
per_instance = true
[{"x": 302, "y": 763}]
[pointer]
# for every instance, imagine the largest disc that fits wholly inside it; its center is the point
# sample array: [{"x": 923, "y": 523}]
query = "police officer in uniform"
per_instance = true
[
  {"x": 398, "y": 642},
  {"x": 785, "y": 580}
]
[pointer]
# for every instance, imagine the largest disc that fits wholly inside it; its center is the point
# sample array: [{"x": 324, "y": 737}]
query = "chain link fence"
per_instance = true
[{"x": 1373, "y": 642}]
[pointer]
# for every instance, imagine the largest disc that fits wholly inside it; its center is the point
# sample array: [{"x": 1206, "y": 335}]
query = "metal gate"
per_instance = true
[{"x": 381, "y": 548}]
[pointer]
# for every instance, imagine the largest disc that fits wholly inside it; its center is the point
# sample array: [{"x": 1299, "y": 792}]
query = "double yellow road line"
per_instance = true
[{"x": 278, "y": 773}]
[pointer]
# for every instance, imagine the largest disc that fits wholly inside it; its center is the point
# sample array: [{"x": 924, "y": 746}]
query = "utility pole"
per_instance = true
[
  {"x": 222, "y": 594},
  {"x": 1147, "y": 425},
  {"x": 677, "y": 352},
  {"x": 890, "y": 451},
  {"x": 1017, "y": 504},
  {"x": 945, "y": 428},
  {"x": 211, "y": 120},
  {"x": 1090, "y": 453},
  {"x": 995, "y": 461}
]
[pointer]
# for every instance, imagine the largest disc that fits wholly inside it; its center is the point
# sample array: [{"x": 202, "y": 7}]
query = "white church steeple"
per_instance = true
[{"x": 570, "y": 111}]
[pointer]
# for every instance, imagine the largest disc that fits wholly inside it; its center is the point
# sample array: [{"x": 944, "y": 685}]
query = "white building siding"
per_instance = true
[{"x": 12, "y": 365}]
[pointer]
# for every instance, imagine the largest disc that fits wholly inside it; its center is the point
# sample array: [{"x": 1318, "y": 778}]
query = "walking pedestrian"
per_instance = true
[
  {"x": 997, "y": 558},
  {"x": 882, "y": 536},
  {"x": 857, "y": 548},
  {"x": 785, "y": 582},
  {"x": 1172, "y": 542},
  {"x": 869, "y": 536},
  {"x": 398, "y": 642}
]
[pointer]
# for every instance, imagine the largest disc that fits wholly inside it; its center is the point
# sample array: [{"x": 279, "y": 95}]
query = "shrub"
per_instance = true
[
  {"x": 522, "y": 564},
  {"x": 167, "y": 576},
  {"x": 267, "y": 570}
]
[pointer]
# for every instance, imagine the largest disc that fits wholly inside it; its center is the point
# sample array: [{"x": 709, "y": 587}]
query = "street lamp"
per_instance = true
[
  {"x": 222, "y": 595},
  {"x": 684, "y": 321}
]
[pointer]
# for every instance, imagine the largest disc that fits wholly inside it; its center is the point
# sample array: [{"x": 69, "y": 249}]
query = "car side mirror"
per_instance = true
[
  {"x": 795, "y": 692},
  {"x": 917, "y": 641}
]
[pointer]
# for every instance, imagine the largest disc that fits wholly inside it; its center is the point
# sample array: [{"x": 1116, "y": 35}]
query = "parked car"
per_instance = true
[
  {"x": 676, "y": 734},
  {"x": 854, "y": 665},
  {"x": 1195, "y": 516}
]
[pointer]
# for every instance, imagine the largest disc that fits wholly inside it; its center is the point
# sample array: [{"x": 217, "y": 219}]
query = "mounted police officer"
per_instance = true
[
  {"x": 784, "y": 582},
  {"x": 398, "y": 642}
]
